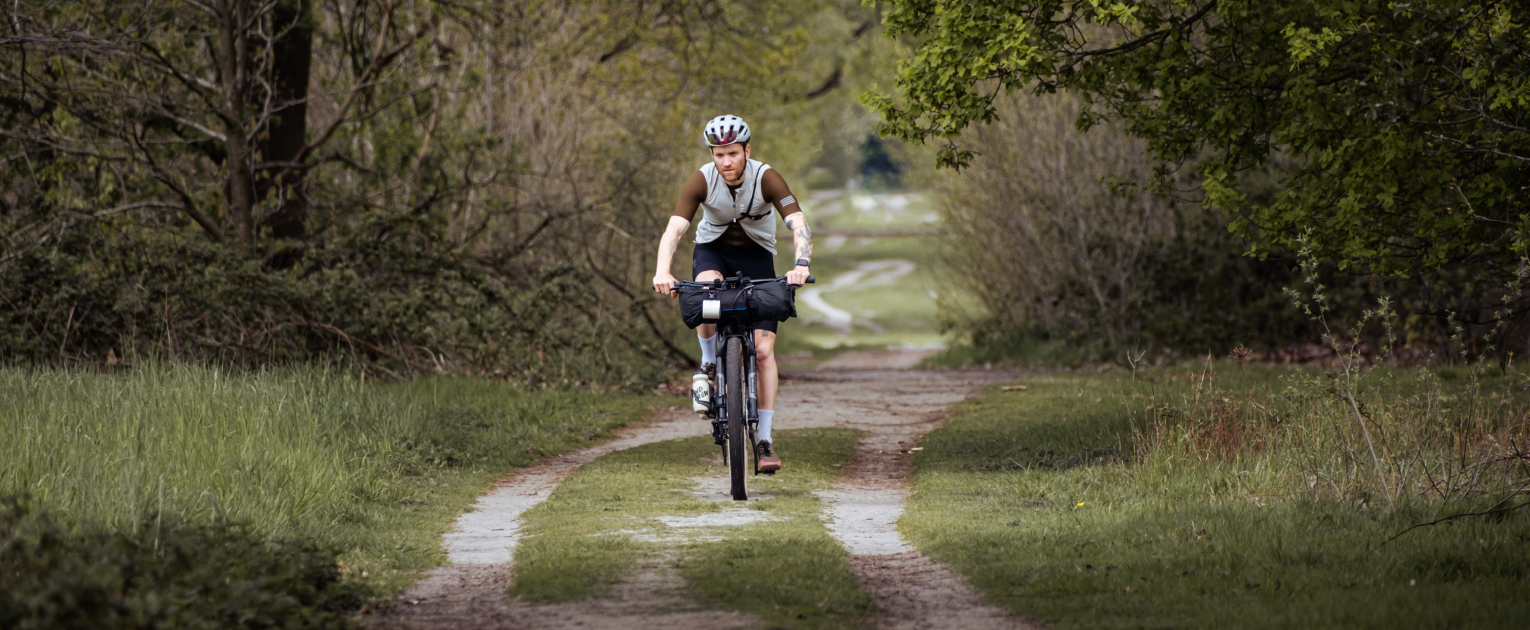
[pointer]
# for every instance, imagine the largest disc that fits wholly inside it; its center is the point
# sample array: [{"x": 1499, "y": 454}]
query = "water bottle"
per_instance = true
[{"x": 701, "y": 394}]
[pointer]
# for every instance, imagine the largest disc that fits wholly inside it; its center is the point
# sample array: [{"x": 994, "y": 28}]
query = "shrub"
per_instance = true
[
  {"x": 390, "y": 296},
  {"x": 164, "y": 575},
  {"x": 1055, "y": 254}
]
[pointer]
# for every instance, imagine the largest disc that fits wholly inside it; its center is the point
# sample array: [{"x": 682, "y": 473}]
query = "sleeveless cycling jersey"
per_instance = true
[{"x": 747, "y": 207}]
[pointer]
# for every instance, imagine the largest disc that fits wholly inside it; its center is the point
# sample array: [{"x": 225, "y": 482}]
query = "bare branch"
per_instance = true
[
  {"x": 380, "y": 59},
  {"x": 135, "y": 206}
]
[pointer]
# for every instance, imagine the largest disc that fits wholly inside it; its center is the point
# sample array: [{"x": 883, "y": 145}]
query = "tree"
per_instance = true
[
  {"x": 1400, "y": 132},
  {"x": 410, "y": 184},
  {"x": 202, "y": 107}
]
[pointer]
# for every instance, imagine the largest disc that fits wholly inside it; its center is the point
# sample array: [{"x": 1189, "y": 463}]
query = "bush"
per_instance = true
[
  {"x": 388, "y": 296},
  {"x": 1069, "y": 260},
  {"x": 167, "y": 575}
]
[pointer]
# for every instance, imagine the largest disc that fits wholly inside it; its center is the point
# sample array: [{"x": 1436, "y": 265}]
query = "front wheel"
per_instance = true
[{"x": 738, "y": 439}]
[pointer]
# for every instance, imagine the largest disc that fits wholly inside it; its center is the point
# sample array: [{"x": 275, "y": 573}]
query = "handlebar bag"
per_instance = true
[
  {"x": 767, "y": 301},
  {"x": 710, "y": 305},
  {"x": 772, "y": 301}
]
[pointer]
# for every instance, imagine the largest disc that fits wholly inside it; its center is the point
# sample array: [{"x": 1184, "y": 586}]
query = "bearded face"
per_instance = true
[{"x": 730, "y": 160}]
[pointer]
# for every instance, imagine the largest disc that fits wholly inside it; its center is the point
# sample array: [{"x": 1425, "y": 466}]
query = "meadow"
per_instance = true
[
  {"x": 1247, "y": 496},
  {"x": 366, "y": 474}
]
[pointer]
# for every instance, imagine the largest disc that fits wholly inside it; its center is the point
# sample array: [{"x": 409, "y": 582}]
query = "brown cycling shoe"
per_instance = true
[{"x": 766, "y": 457}]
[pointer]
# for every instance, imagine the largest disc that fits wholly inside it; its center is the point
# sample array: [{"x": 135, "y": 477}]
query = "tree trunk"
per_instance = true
[
  {"x": 239, "y": 193},
  {"x": 293, "y": 56}
]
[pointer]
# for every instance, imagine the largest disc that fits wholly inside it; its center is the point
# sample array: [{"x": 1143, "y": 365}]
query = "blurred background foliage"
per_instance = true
[
  {"x": 408, "y": 185},
  {"x": 1059, "y": 252},
  {"x": 1062, "y": 257},
  {"x": 412, "y": 186}
]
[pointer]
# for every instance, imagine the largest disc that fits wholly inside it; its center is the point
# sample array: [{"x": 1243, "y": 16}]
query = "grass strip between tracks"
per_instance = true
[
  {"x": 375, "y": 471},
  {"x": 1038, "y": 497},
  {"x": 646, "y": 502}
]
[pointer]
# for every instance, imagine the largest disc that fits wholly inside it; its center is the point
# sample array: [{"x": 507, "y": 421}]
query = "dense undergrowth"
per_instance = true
[
  {"x": 306, "y": 481},
  {"x": 1237, "y": 496},
  {"x": 165, "y": 575},
  {"x": 390, "y": 297}
]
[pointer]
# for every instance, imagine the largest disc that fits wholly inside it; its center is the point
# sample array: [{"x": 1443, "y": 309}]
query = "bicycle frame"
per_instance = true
[{"x": 719, "y": 410}]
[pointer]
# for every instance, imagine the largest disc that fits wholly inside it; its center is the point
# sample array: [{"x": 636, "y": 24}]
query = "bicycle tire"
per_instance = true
[{"x": 738, "y": 439}]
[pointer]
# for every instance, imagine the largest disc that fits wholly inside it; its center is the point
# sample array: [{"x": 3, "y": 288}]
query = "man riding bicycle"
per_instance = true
[{"x": 737, "y": 235}]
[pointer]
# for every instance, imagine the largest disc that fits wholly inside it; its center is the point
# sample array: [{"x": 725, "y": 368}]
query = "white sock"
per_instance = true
[
  {"x": 766, "y": 416},
  {"x": 708, "y": 348}
]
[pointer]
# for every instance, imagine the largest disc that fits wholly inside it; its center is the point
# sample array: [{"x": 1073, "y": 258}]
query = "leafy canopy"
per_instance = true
[{"x": 1400, "y": 131}]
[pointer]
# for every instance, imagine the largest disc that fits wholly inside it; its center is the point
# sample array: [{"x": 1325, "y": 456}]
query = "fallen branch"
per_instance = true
[{"x": 1492, "y": 510}]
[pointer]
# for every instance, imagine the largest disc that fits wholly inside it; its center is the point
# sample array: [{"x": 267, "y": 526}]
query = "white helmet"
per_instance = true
[{"x": 726, "y": 130}]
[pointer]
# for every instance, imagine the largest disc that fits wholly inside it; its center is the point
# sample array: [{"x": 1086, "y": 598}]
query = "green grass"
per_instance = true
[
  {"x": 1022, "y": 349},
  {"x": 176, "y": 575},
  {"x": 903, "y": 313},
  {"x": 377, "y": 471},
  {"x": 603, "y": 522},
  {"x": 1044, "y": 499}
]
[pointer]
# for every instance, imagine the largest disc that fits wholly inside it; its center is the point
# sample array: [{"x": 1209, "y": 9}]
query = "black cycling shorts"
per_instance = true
[{"x": 731, "y": 260}]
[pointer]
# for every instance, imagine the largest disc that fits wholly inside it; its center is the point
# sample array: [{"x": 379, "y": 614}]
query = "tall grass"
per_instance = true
[
  {"x": 1361, "y": 430},
  {"x": 1404, "y": 437},
  {"x": 376, "y": 469},
  {"x": 1037, "y": 496},
  {"x": 278, "y": 450}
]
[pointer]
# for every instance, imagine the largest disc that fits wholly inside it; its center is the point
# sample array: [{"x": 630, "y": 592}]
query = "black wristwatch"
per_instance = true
[{"x": 802, "y": 262}]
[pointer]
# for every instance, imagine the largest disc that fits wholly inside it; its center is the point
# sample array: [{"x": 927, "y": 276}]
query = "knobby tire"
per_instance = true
[{"x": 738, "y": 440}]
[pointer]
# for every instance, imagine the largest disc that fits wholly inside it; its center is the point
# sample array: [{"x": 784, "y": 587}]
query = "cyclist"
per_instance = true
[{"x": 737, "y": 234}]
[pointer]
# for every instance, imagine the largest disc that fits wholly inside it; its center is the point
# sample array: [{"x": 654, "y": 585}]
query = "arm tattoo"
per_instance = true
[{"x": 802, "y": 236}]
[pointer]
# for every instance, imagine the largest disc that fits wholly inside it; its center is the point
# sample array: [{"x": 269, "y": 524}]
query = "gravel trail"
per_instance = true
[
  {"x": 471, "y": 592},
  {"x": 874, "y": 392},
  {"x": 896, "y": 409}
]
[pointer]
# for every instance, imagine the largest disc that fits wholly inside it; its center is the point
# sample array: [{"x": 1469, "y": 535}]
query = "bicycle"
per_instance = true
[{"x": 735, "y": 414}]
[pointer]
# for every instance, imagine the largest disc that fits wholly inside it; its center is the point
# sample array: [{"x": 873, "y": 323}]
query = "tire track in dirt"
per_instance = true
[
  {"x": 896, "y": 409},
  {"x": 872, "y": 391},
  {"x": 472, "y": 591}
]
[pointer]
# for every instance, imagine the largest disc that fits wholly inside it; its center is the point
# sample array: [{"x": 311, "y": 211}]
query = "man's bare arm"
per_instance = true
[
  {"x": 802, "y": 238},
  {"x": 802, "y": 235},
  {"x": 663, "y": 280}
]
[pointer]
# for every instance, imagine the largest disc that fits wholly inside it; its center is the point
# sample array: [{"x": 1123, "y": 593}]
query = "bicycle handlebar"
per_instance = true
[{"x": 735, "y": 280}]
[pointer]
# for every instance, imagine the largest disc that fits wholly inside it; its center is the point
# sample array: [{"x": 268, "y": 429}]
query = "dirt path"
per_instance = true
[
  {"x": 869, "y": 391},
  {"x": 896, "y": 409},
  {"x": 471, "y": 591}
]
